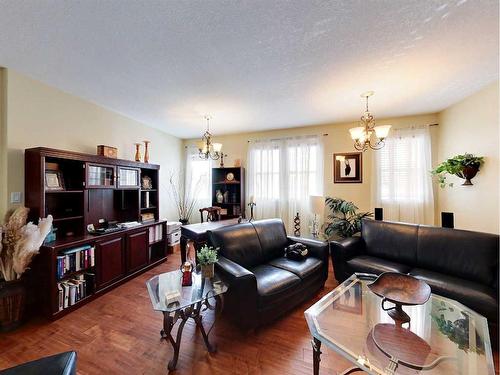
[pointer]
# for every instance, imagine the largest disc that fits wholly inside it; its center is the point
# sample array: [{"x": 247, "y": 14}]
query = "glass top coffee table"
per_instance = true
[
  {"x": 204, "y": 294},
  {"x": 442, "y": 337}
]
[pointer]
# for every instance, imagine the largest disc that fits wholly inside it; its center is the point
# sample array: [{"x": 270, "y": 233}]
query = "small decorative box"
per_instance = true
[{"x": 108, "y": 151}]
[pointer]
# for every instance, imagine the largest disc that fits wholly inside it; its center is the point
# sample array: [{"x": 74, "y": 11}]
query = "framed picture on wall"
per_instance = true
[{"x": 348, "y": 167}]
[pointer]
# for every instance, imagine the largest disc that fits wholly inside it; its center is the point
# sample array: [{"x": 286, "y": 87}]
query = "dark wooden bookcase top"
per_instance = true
[
  {"x": 94, "y": 187},
  {"x": 234, "y": 202}
]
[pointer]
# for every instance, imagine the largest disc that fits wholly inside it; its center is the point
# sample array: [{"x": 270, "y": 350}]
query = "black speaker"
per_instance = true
[
  {"x": 447, "y": 220},
  {"x": 379, "y": 213}
]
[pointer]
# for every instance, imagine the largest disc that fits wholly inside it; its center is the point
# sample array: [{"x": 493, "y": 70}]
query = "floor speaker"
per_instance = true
[
  {"x": 379, "y": 213},
  {"x": 447, "y": 220}
]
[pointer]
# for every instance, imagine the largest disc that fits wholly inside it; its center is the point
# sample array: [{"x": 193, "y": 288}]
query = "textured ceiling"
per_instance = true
[{"x": 256, "y": 64}]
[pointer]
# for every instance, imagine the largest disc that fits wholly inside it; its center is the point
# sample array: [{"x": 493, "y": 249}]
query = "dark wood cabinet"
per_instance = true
[
  {"x": 110, "y": 261},
  {"x": 230, "y": 183},
  {"x": 137, "y": 250},
  {"x": 94, "y": 189}
]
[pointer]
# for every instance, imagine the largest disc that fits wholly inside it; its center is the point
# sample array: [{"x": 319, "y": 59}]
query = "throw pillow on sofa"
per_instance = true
[{"x": 296, "y": 251}]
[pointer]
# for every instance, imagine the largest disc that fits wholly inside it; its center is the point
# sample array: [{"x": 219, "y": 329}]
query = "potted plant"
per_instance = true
[
  {"x": 464, "y": 166},
  {"x": 206, "y": 258},
  {"x": 19, "y": 243},
  {"x": 344, "y": 220}
]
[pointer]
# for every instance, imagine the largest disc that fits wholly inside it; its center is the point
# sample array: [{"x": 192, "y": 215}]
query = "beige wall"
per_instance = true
[
  {"x": 39, "y": 115},
  {"x": 472, "y": 126},
  {"x": 337, "y": 140},
  {"x": 3, "y": 142}
]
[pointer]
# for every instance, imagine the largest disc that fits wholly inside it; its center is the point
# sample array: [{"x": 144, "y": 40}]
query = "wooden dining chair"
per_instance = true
[{"x": 213, "y": 213}]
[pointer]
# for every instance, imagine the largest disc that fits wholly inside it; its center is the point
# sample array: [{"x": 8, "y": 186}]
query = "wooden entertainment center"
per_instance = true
[{"x": 78, "y": 190}]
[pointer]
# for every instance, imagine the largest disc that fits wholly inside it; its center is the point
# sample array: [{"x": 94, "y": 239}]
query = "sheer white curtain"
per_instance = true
[
  {"x": 198, "y": 181},
  {"x": 283, "y": 174},
  {"x": 401, "y": 179}
]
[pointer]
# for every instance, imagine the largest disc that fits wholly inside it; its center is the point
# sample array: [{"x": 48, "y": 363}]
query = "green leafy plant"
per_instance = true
[
  {"x": 456, "y": 166},
  {"x": 207, "y": 255},
  {"x": 344, "y": 220}
]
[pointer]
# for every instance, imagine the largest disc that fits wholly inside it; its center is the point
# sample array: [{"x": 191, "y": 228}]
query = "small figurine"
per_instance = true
[
  {"x": 187, "y": 273},
  {"x": 296, "y": 225}
]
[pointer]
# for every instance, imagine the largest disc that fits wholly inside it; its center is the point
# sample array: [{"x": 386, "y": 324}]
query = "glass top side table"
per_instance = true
[{"x": 204, "y": 294}]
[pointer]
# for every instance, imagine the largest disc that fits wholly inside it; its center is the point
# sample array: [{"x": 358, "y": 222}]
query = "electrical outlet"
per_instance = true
[{"x": 15, "y": 197}]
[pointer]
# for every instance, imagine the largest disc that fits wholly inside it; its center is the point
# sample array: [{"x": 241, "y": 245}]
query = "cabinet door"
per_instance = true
[
  {"x": 110, "y": 261},
  {"x": 128, "y": 178},
  {"x": 137, "y": 250},
  {"x": 100, "y": 176}
]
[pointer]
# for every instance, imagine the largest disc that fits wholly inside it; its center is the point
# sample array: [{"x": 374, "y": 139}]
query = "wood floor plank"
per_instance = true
[{"x": 118, "y": 333}]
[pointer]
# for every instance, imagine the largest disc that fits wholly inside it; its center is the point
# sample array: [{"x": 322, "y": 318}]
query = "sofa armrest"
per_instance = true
[
  {"x": 59, "y": 364},
  {"x": 342, "y": 251},
  {"x": 317, "y": 249},
  {"x": 232, "y": 271},
  {"x": 242, "y": 296}
]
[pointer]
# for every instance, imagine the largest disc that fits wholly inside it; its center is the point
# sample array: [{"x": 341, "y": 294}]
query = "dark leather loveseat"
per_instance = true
[
  {"x": 458, "y": 264},
  {"x": 263, "y": 284}
]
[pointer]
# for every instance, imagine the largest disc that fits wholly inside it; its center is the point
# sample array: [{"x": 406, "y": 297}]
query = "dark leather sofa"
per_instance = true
[
  {"x": 59, "y": 364},
  {"x": 263, "y": 284},
  {"x": 457, "y": 264}
]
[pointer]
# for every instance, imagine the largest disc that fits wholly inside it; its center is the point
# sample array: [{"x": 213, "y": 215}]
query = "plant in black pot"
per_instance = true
[
  {"x": 344, "y": 220},
  {"x": 464, "y": 166},
  {"x": 19, "y": 243}
]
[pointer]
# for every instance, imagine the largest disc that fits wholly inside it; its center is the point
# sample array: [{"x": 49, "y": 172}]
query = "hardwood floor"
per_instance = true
[{"x": 118, "y": 333}]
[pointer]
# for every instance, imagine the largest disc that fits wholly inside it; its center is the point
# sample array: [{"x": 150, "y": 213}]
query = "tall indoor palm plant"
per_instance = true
[{"x": 344, "y": 221}]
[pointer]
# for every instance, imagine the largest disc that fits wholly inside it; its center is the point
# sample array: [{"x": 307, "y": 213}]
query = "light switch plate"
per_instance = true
[{"x": 15, "y": 197}]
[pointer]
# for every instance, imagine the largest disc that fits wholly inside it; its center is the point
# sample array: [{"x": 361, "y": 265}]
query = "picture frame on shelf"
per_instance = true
[
  {"x": 348, "y": 167},
  {"x": 54, "y": 180}
]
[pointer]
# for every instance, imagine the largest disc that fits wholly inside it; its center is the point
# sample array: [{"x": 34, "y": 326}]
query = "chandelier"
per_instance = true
[
  {"x": 363, "y": 135},
  {"x": 206, "y": 148}
]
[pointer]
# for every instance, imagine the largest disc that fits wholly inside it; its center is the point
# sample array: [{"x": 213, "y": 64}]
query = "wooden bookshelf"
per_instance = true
[
  {"x": 234, "y": 205},
  {"x": 93, "y": 188}
]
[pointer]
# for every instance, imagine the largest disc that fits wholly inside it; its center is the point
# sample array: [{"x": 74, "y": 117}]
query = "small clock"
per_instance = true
[{"x": 230, "y": 177}]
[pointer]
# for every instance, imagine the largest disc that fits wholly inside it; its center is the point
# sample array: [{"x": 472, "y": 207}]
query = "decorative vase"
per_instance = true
[
  {"x": 12, "y": 302},
  {"x": 468, "y": 173},
  {"x": 184, "y": 221},
  {"x": 137, "y": 152},
  {"x": 207, "y": 270},
  {"x": 146, "y": 151},
  {"x": 219, "y": 196}
]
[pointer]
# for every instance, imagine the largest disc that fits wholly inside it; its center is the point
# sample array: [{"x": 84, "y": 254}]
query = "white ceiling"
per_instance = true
[{"x": 254, "y": 64}]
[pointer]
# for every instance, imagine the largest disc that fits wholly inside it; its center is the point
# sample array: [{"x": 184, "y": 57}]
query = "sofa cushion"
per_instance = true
[
  {"x": 393, "y": 241},
  {"x": 369, "y": 264},
  {"x": 273, "y": 283},
  {"x": 272, "y": 237},
  {"x": 302, "y": 268},
  {"x": 474, "y": 295},
  {"x": 238, "y": 243},
  {"x": 464, "y": 254}
]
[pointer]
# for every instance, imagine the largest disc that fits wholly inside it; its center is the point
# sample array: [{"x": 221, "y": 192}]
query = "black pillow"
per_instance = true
[{"x": 296, "y": 251}]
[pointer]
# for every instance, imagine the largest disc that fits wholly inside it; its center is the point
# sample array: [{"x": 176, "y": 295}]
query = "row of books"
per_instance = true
[
  {"x": 76, "y": 259},
  {"x": 73, "y": 290},
  {"x": 155, "y": 233}
]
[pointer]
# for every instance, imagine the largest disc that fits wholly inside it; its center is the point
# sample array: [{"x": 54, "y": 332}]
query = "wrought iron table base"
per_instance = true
[
  {"x": 195, "y": 312},
  {"x": 316, "y": 345}
]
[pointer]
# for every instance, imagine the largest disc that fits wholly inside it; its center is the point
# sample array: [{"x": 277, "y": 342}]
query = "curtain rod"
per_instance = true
[{"x": 289, "y": 137}]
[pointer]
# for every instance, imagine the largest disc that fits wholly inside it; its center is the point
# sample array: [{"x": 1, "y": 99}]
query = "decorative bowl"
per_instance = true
[{"x": 402, "y": 290}]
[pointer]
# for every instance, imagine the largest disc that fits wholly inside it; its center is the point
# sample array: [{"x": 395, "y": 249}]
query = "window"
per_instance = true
[
  {"x": 283, "y": 174},
  {"x": 403, "y": 185}
]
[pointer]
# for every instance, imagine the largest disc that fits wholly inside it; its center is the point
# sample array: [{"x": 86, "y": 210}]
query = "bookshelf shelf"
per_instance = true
[
  {"x": 233, "y": 190},
  {"x": 64, "y": 191},
  {"x": 68, "y": 218},
  {"x": 69, "y": 275}
]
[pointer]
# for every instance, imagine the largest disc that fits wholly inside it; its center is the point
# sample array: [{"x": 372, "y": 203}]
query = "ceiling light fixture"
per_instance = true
[
  {"x": 362, "y": 135},
  {"x": 208, "y": 149}
]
